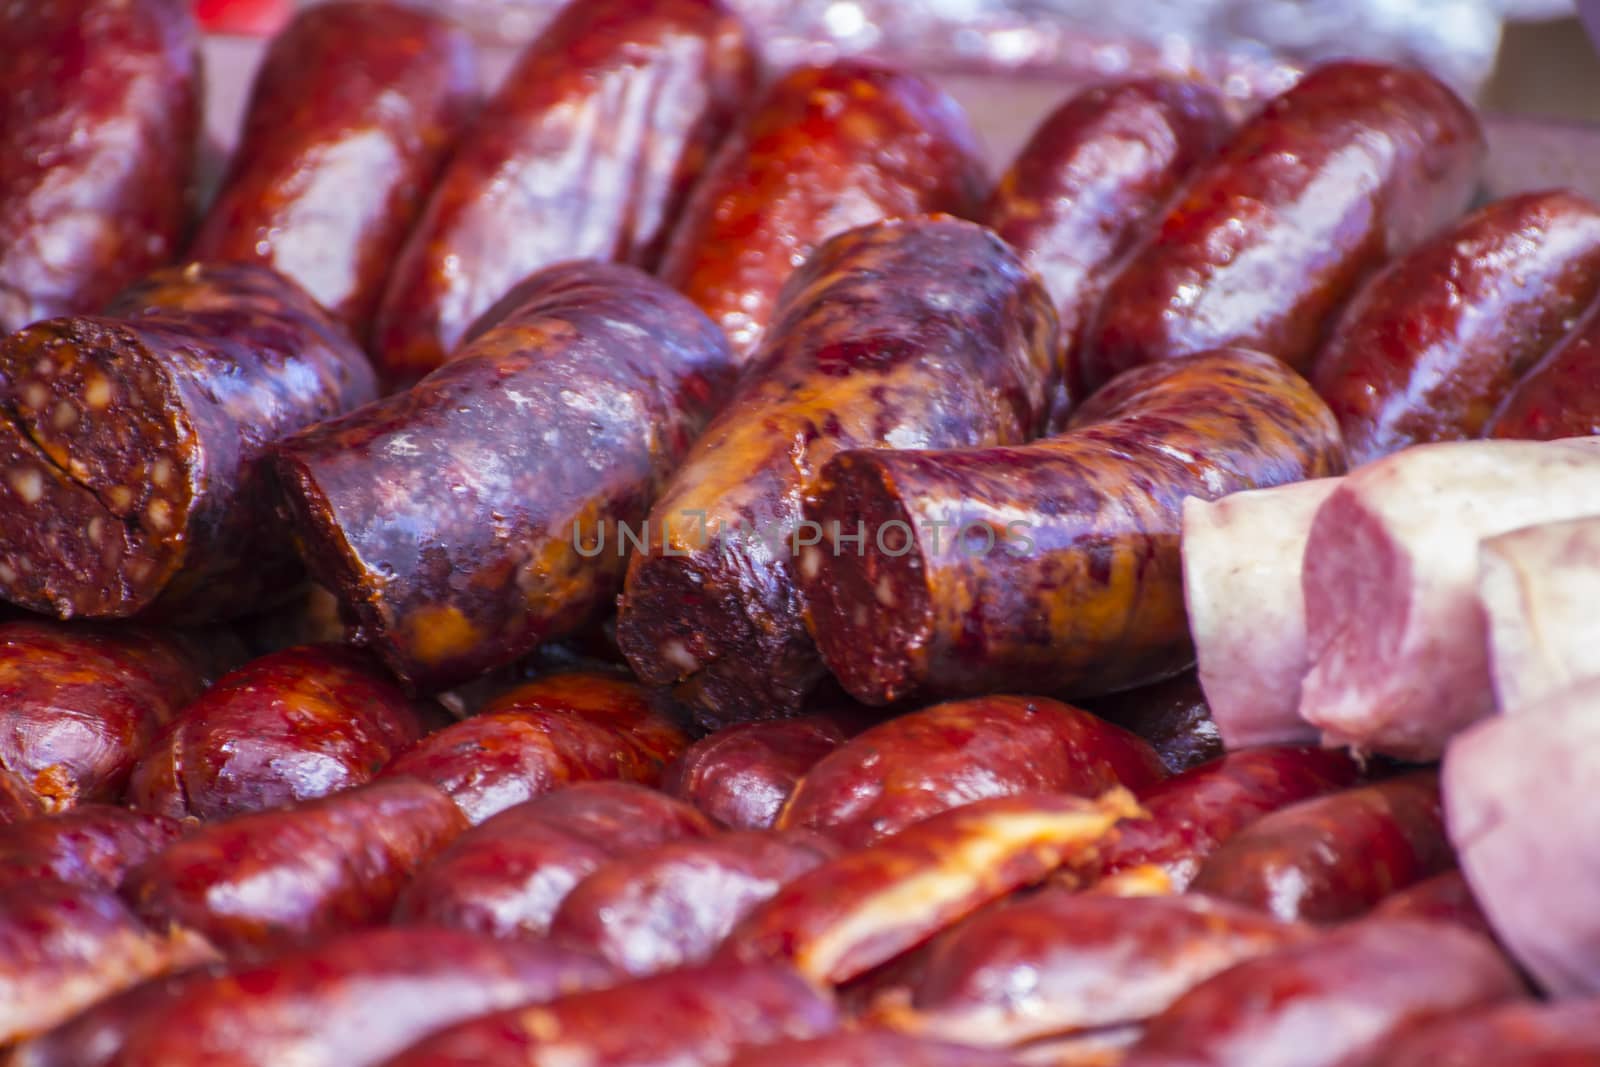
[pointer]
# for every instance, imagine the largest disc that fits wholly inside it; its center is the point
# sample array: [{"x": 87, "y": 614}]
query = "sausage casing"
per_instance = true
[
  {"x": 92, "y": 845},
  {"x": 1560, "y": 396},
  {"x": 742, "y": 775},
  {"x": 1172, "y": 715}
]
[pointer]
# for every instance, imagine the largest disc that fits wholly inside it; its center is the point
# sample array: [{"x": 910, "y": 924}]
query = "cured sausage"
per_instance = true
[
  {"x": 864, "y": 908},
  {"x": 1090, "y": 182},
  {"x": 1173, "y": 716},
  {"x": 870, "y": 1048},
  {"x": 292, "y": 726},
  {"x": 470, "y": 518},
  {"x": 276, "y": 879},
  {"x": 1357, "y": 162},
  {"x": 913, "y": 766},
  {"x": 911, "y": 333},
  {"x": 92, "y": 845},
  {"x": 93, "y": 1036},
  {"x": 508, "y": 877},
  {"x": 671, "y": 906},
  {"x": 1560, "y": 396},
  {"x": 1443, "y": 898},
  {"x": 354, "y": 110},
  {"x": 1432, "y": 344},
  {"x": 586, "y": 151},
  {"x": 742, "y": 775},
  {"x": 132, "y": 442},
  {"x": 100, "y": 104},
  {"x": 1563, "y": 1034},
  {"x": 79, "y": 704},
  {"x": 353, "y": 1001},
  {"x": 824, "y": 150},
  {"x": 562, "y": 728},
  {"x": 1058, "y": 561},
  {"x": 1334, "y": 857}
]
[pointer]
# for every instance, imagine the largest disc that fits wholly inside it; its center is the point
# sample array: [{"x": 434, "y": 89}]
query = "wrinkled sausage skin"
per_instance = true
[
  {"x": 742, "y": 775},
  {"x": 1560, "y": 396},
  {"x": 1356, "y": 163},
  {"x": 912, "y": 333},
  {"x": 292, "y": 726},
  {"x": 92, "y": 845},
  {"x": 99, "y": 123},
  {"x": 586, "y": 151},
  {"x": 1057, "y": 561},
  {"x": 479, "y": 513},
  {"x": 353, "y": 112},
  {"x": 824, "y": 150},
  {"x": 132, "y": 442}
]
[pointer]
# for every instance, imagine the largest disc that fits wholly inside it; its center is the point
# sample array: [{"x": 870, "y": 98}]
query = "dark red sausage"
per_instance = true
[
  {"x": 1560, "y": 396},
  {"x": 698, "y": 1015},
  {"x": 1172, "y": 715},
  {"x": 354, "y": 1001},
  {"x": 914, "y": 333},
  {"x": 79, "y": 704},
  {"x": 1088, "y": 185},
  {"x": 870, "y": 1048},
  {"x": 742, "y": 775},
  {"x": 298, "y": 724},
  {"x": 353, "y": 112},
  {"x": 1443, "y": 898},
  {"x": 93, "y": 1036},
  {"x": 1334, "y": 857},
  {"x": 587, "y": 151},
  {"x": 99, "y": 119},
  {"x": 134, "y": 438},
  {"x": 1356, "y": 163},
  {"x": 1432, "y": 344},
  {"x": 276, "y": 879},
  {"x": 1188, "y": 817},
  {"x": 508, "y": 877},
  {"x": 470, "y": 518},
  {"x": 908, "y": 768},
  {"x": 546, "y": 734},
  {"x": 1054, "y": 563},
  {"x": 1562, "y": 1034},
  {"x": 671, "y": 906},
  {"x": 63, "y": 947},
  {"x": 92, "y": 845},
  {"x": 824, "y": 150}
]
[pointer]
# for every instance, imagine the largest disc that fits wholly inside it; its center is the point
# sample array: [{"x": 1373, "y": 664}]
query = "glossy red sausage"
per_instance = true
[
  {"x": 742, "y": 775},
  {"x": 870, "y": 1048},
  {"x": 1443, "y": 898},
  {"x": 1055, "y": 562},
  {"x": 671, "y": 906},
  {"x": 276, "y": 879},
  {"x": 100, "y": 113},
  {"x": 354, "y": 110},
  {"x": 1335, "y": 857},
  {"x": 508, "y": 877},
  {"x": 465, "y": 521},
  {"x": 291, "y": 726},
  {"x": 1560, "y": 396},
  {"x": 1356, "y": 163},
  {"x": 1172, "y": 715},
  {"x": 1089, "y": 184},
  {"x": 1563, "y": 1034},
  {"x": 133, "y": 444},
  {"x": 93, "y": 1036},
  {"x": 1434, "y": 342},
  {"x": 923, "y": 332},
  {"x": 92, "y": 845},
  {"x": 823, "y": 150},
  {"x": 354, "y": 1001},
  {"x": 586, "y": 151},
  {"x": 549, "y": 733},
  {"x": 79, "y": 704},
  {"x": 908, "y": 768}
]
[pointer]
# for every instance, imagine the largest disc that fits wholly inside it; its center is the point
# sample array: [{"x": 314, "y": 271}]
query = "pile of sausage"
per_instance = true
[{"x": 670, "y": 563}]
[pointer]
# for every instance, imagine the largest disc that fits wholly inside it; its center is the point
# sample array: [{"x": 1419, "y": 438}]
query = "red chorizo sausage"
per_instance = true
[
  {"x": 912, "y": 333},
  {"x": 1561, "y": 1034},
  {"x": 93, "y": 1036},
  {"x": 908, "y": 768},
  {"x": 1334, "y": 857},
  {"x": 1356, "y": 163},
  {"x": 1560, "y": 396},
  {"x": 92, "y": 845},
  {"x": 354, "y": 110},
  {"x": 464, "y": 521},
  {"x": 671, "y": 906},
  {"x": 1432, "y": 344},
  {"x": 275, "y": 879},
  {"x": 870, "y": 1048},
  {"x": 551, "y": 732},
  {"x": 298, "y": 724},
  {"x": 1443, "y": 898},
  {"x": 1056, "y": 562},
  {"x": 133, "y": 443},
  {"x": 742, "y": 775},
  {"x": 508, "y": 877},
  {"x": 824, "y": 150},
  {"x": 1172, "y": 715},
  {"x": 1090, "y": 182},
  {"x": 100, "y": 104},
  {"x": 79, "y": 704},
  {"x": 586, "y": 151}
]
